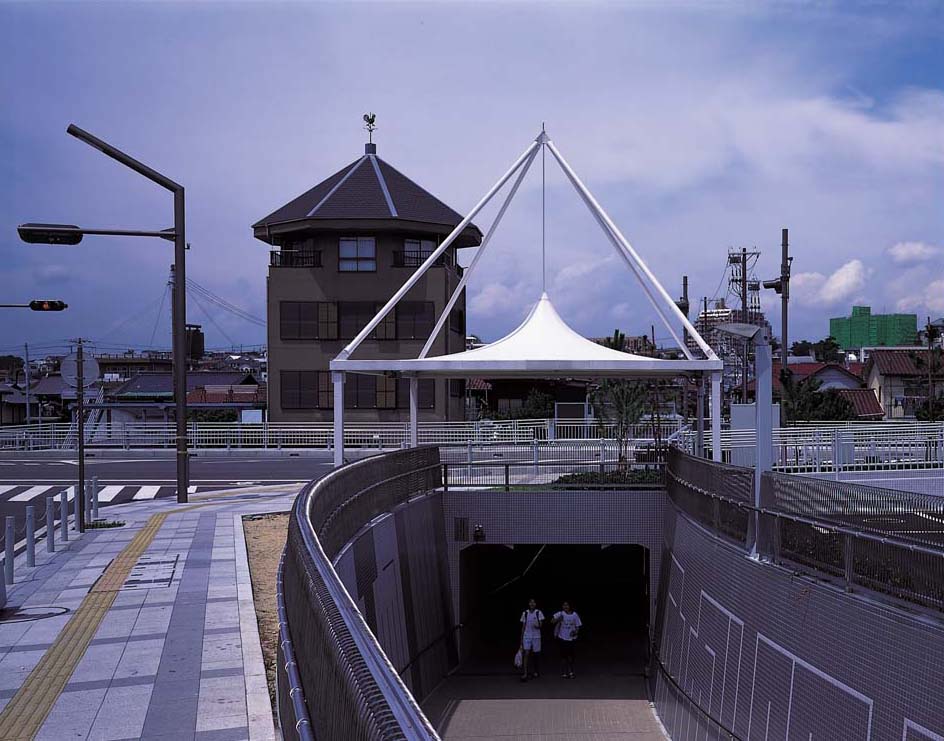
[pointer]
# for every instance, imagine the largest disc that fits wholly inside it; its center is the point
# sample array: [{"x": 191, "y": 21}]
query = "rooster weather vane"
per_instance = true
[{"x": 370, "y": 125}]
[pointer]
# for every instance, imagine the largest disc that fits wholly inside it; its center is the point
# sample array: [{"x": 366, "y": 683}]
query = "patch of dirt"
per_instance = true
[{"x": 265, "y": 540}]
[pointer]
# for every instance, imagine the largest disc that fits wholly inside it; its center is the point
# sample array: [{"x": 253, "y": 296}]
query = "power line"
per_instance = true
[
  {"x": 212, "y": 320},
  {"x": 223, "y": 304}
]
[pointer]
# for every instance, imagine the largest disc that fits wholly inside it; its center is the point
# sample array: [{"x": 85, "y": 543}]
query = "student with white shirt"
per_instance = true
[
  {"x": 566, "y": 628},
  {"x": 532, "y": 620}
]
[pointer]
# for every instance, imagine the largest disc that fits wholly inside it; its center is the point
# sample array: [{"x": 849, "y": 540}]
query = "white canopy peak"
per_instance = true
[{"x": 543, "y": 335}]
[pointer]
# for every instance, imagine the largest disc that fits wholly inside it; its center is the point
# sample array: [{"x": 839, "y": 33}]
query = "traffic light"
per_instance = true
[
  {"x": 50, "y": 233},
  {"x": 47, "y": 305}
]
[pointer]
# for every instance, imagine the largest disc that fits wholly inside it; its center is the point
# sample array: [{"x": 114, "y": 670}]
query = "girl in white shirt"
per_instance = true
[
  {"x": 566, "y": 628},
  {"x": 531, "y": 621}
]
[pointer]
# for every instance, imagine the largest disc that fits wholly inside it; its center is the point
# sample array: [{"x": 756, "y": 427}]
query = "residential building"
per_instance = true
[
  {"x": 149, "y": 397},
  {"x": 341, "y": 250},
  {"x": 865, "y": 329},
  {"x": 899, "y": 378}
]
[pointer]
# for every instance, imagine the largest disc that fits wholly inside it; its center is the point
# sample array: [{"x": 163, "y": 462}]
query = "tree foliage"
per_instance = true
[
  {"x": 622, "y": 404},
  {"x": 826, "y": 350},
  {"x": 804, "y": 400}
]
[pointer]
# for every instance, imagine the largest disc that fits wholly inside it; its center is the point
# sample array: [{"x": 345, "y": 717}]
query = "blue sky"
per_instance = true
[{"x": 699, "y": 126}]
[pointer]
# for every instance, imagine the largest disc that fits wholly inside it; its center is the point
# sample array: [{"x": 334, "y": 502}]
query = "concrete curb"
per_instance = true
[{"x": 258, "y": 705}]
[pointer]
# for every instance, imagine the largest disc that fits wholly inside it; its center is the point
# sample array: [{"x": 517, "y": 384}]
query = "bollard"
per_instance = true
[
  {"x": 64, "y": 516},
  {"x": 10, "y": 543},
  {"x": 94, "y": 497},
  {"x": 30, "y": 535},
  {"x": 534, "y": 454},
  {"x": 50, "y": 524}
]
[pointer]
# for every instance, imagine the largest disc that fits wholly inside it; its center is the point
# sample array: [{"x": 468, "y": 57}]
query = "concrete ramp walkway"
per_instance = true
[{"x": 592, "y": 708}]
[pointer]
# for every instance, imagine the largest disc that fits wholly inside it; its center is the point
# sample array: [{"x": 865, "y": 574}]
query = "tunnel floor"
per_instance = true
[{"x": 484, "y": 698}]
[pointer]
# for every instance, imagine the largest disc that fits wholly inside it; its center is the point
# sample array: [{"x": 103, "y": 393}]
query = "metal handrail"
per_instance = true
[{"x": 411, "y": 722}]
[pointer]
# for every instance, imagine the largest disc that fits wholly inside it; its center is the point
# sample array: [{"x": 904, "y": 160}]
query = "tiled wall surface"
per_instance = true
[
  {"x": 396, "y": 572},
  {"x": 558, "y": 517},
  {"x": 776, "y": 656}
]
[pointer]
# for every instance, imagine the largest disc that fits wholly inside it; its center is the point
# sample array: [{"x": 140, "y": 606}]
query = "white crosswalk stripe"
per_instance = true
[
  {"x": 31, "y": 493},
  {"x": 5, "y": 489},
  {"x": 147, "y": 492},
  {"x": 108, "y": 493}
]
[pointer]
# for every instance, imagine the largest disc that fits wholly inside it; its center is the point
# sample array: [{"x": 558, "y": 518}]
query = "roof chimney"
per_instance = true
[{"x": 370, "y": 148}]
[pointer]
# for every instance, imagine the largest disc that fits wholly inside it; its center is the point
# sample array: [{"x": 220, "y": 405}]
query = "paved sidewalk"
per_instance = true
[{"x": 144, "y": 631}]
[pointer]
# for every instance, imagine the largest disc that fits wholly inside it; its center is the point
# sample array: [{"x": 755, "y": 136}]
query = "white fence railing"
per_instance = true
[
  {"x": 899, "y": 455},
  {"x": 381, "y": 435}
]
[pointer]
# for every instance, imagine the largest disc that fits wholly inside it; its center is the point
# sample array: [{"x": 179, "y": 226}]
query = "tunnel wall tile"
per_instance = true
[{"x": 771, "y": 654}]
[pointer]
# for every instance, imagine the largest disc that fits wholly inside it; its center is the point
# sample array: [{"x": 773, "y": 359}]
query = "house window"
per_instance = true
[
  {"x": 298, "y": 389},
  {"x": 426, "y": 393},
  {"x": 415, "y": 251},
  {"x": 297, "y": 320},
  {"x": 325, "y": 390},
  {"x": 509, "y": 406},
  {"x": 386, "y": 392},
  {"x": 357, "y": 255},
  {"x": 457, "y": 387},
  {"x": 414, "y": 320},
  {"x": 353, "y": 316},
  {"x": 387, "y": 329},
  {"x": 327, "y": 320},
  {"x": 360, "y": 392}
]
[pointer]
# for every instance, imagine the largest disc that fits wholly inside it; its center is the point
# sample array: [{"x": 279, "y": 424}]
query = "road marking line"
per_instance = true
[
  {"x": 5, "y": 489},
  {"x": 147, "y": 492},
  {"x": 28, "y": 709},
  {"x": 31, "y": 493},
  {"x": 108, "y": 493}
]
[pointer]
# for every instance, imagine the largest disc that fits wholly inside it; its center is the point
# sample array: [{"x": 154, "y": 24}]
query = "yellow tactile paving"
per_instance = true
[{"x": 27, "y": 710}]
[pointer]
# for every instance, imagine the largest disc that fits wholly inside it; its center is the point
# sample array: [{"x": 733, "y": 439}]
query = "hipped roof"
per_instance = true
[
  {"x": 543, "y": 346},
  {"x": 368, "y": 190}
]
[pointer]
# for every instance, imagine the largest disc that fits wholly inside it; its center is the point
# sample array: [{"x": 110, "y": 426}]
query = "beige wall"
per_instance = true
[{"x": 328, "y": 284}]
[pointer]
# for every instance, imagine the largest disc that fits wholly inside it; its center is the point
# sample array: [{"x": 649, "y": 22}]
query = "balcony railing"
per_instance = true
[{"x": 293, "y": 259}]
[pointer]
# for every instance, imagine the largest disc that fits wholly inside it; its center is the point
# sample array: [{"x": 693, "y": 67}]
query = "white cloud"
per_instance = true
[
  {"x": 910, "y": 253},
  {"x": 816, "y": 289},
  {"x": 930, "y": 299}
]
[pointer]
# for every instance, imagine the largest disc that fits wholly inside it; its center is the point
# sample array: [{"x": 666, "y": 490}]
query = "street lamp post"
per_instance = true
[{"x": 68, "y": 234}]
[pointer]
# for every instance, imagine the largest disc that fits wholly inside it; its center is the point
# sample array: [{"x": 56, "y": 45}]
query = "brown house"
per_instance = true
[{"x": 341, "y": 250}]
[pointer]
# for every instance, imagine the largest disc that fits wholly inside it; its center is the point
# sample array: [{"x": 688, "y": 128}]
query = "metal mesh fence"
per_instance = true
[
  {"x": 887, "y": 541},
  {"x": 715, "y": 494},
  {"x": 904, "y": 515},
  {"x": 350, "y": 689}
]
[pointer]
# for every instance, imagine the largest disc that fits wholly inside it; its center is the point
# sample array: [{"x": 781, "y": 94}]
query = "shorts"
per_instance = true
[{"x": 531, "y": 643}]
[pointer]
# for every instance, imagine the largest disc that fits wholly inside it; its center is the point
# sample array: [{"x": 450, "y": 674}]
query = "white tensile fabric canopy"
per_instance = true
[{"x": 542, "y": 346}]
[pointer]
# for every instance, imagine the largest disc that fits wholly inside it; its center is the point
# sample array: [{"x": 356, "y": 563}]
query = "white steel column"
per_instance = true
[
  {"x": 763, "y": 427},
  {"x": 428, "y": 263},
  {"x": 414, "y": 410},
  {"x": 481, "y": 251},
  {"x": 338, "y": 379},
  {"x": 700, "y": 419},
  {"x": 635, "y": 262},
  {"x": 716, "y": 415}
]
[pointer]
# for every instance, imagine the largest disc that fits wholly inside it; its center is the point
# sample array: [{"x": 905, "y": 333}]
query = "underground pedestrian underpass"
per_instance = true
[{"x": 400, "y": 600}]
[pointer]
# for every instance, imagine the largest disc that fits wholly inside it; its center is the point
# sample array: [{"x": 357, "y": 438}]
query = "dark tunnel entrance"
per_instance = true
[{"x": 608, "y": 586}]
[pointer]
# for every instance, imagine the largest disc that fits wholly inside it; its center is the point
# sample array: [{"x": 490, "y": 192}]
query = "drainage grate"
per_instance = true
[{"x": 152, "y": 572}]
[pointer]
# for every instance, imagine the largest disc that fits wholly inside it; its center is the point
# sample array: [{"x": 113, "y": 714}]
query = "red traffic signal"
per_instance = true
[{"x": 47, "y": 305}]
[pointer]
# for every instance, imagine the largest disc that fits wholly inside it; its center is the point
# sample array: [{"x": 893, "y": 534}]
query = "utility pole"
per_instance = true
[
  {"x": 745, "y": 317},
  {"x": 26, "y": 353},
  {"x": 929, "y": 332},
  {"x": 80, "y": 410},
  {"x": 784, "y": 295}
]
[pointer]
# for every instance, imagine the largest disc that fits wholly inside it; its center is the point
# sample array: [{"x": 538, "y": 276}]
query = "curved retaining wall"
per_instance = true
[
  {"x": 751, "y": 650},
  {"x": 330, "y": 663}
]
